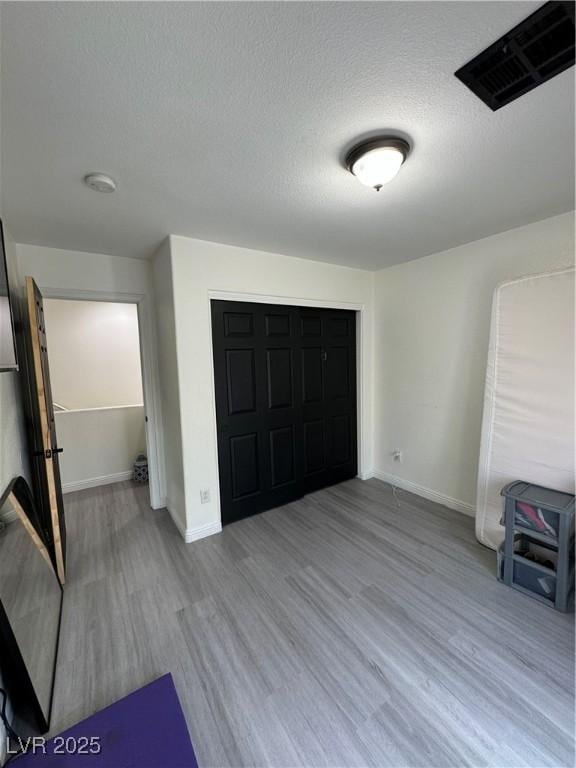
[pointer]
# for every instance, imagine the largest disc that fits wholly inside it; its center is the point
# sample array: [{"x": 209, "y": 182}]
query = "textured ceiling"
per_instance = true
[{"x": 228, "y": 121}]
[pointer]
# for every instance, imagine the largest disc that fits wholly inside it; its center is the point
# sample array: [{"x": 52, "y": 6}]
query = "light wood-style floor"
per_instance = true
[{"x": 354, "y": 627}]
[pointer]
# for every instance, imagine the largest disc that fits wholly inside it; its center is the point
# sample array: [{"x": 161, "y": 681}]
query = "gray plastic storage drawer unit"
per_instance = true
[{"x": 537, "y": 554}]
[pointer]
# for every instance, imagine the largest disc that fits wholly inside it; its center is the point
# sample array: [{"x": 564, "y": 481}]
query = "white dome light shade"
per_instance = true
[
  {"x": 378, "y": 166},
  {"x": 375, "y": 163}
]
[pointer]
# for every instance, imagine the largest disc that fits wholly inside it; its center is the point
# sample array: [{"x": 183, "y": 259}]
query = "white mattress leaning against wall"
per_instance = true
[{"x": 528, "y": 421}]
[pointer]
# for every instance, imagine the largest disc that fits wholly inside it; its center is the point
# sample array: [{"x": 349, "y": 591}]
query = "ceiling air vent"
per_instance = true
[{"x": 534, "y": 51}]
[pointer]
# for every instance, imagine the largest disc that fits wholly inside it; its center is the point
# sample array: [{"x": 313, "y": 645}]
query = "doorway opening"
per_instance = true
[{"x": 94, "y": 354}]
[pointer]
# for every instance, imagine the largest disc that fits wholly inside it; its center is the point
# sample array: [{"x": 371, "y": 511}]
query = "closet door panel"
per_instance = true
[{"x": 285, "y": 388}]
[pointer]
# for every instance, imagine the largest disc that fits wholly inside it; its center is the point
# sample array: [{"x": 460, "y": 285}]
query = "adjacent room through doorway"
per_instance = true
[{"x": 96, "y": 379}]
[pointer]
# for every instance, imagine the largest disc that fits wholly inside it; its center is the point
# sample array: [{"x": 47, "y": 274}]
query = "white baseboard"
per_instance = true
[
  {"x": 193, "y": 534},
  {"x": 93, "y": 482},
  {"x": 201, "y": 531},
  {"x": 365, "y": 475},
  {"x": 427, "y": 493}
]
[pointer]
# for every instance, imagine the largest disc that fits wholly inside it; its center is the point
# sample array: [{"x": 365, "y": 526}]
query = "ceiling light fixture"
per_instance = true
[
  {"x": 377, "y": 161},
  {"x": 100, "y": 182}
]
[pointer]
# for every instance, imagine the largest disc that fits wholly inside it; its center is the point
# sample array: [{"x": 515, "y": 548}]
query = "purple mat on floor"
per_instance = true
[{"x": 144, "y": 730}]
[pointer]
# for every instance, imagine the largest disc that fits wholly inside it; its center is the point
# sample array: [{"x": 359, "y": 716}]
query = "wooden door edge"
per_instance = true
[{"x": 41, "y": 395}]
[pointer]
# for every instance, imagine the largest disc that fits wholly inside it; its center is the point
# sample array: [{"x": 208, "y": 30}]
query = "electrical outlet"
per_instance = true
[
  {"x": 204, "y": 496},
  {"x": 397, "y": 455}
]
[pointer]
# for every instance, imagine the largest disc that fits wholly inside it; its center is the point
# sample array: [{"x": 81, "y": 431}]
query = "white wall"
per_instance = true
[
  {"x": 100, "y": 445},
  {"x": 432, "y": 326},
  {"x": 94, "y": 353},
  {"x": 12, "y": 441},
  {"x": 86, "y": 274},
  {"x": 13, "y": 459},
  {"x": 55, "y": 269},
  {"x": 199, "y": 267},
  {"x": 169, "y": 387}
]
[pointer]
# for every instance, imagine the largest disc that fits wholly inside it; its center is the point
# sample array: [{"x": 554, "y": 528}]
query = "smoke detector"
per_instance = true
[{"x": 100, "y": 182}]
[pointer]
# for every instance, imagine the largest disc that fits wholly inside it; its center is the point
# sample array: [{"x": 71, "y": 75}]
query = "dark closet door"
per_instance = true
[
  {"x": 255, "y": 370},
  {"x": 285, "y": 385},
  {"x": 328, "y": 370}
]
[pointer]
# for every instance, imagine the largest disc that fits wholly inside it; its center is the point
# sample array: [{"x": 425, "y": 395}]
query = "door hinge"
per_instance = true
[
  {"x": 324, "y": 355},
  {"x": 48, "y": 453}
]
